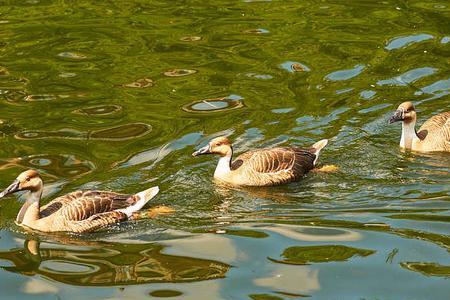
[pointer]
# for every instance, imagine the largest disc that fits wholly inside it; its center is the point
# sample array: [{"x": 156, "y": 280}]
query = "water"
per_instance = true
[{"x": 118, "y": 95}]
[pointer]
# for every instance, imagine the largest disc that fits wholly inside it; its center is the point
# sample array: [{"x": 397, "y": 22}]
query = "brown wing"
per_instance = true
[
  {"x": 81, "y": 205},
  {"x": 436, "y": 131},
  {"x": 437, "y": 122},
  {"x": 277, "y": 165},
  {"x": 97, "y": 221}
]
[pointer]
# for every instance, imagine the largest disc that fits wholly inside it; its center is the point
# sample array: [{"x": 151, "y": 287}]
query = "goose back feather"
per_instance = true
[
  {"x": 81, "y": 205},
  {"x": 273, "y": 166},
  {"x": 85, "y": 211},
  {"x": 434, "y": 134},
  {"x": 98, "y": 221}
]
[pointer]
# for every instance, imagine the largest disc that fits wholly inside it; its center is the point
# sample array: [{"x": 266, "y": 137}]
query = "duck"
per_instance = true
[
  {"x": 261, "y": 167},
  {"x": 433, "y": 135},
  {"x": 78, "y": 212}
]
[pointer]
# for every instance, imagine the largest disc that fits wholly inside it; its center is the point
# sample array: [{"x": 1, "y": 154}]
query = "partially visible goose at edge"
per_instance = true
[
  {"x": 80, "y": 211},
  {"x": 434, "y": 135},
  {"x": 261, "y": 167}
]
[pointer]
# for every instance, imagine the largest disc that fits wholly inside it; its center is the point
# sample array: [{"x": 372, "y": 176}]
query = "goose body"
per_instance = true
[
  {"x": 262, "y": 167},
  {"x": 433, "y": 135},
  {"x": 80, "y": 211}
]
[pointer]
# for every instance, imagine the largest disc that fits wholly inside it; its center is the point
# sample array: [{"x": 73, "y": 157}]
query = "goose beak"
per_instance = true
[
  {"x": 14, "y": 187},
  {"x": 398, "y": 116},
  {"x": 201, "y": 151}
]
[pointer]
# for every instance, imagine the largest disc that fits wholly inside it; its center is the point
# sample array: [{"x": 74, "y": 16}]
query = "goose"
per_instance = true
[
  {"x": 434, "y": 135},
  {"x": 261, "y": 167},
  {"x": 79, "y": 211}
]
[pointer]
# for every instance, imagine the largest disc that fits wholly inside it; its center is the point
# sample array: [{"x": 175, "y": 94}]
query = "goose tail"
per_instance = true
[
  {"x": 141, "y": 199},
  {"x": 317, "y": 147}
]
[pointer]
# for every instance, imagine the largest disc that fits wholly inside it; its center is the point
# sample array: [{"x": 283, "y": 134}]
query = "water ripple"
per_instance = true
[
  {"x": 140, "y": 83},
  {"x": 179, "y": 72},
  {"x": 345, "y": 74},
  {"x": 107, "y": 71},
  {"x": 405, "y": 41},
  {"x": 72, "y": 55},
  {"x": 122, "y": 132},
  {"x": 214, "y": 104},
  {"x": 438, "y": 86},
  {"x": 408, "y": 77},
  {"x": 99, "y": 110},
  {"x": 117, "y": 133},
  {"x": 192, "y": 38},
  {"x": 367, "y": 94},
  {"x": 256, "y": 31},
  {"x": 293, "y": 66},
  {"x": 57, "y": 166}
]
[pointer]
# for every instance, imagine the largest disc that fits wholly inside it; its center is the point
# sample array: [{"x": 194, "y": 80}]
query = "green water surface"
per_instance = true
[{"x": 116, "y": 95}]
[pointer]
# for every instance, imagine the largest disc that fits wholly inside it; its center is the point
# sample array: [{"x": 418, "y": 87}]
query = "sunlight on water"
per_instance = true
[{"x": 118, "y": 95}]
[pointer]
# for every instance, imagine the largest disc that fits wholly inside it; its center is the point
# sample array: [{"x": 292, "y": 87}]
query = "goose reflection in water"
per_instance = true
[{"x": 86, "y": 263}]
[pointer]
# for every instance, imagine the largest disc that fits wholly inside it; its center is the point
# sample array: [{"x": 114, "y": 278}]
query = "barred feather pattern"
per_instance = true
[
  {"x": 266, "y": 167},
  {"x": 84, "y": 211},
  {"x": 434, "y": 134},
  {"x": 96, "y": 221},
  {"x": 80, "y": 205}
]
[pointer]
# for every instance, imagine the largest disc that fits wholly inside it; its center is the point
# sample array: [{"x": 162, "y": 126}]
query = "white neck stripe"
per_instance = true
[{"x": 408, "y": 135}]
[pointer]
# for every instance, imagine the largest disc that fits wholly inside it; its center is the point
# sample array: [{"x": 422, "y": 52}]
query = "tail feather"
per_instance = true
[
  {"x": 142, "y": 198},
  {"x": 317, "y": 147}
]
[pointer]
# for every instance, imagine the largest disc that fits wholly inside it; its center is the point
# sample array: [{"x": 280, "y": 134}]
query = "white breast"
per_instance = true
[
  {"x": 408, "y": 135},
  {"x": 223, "y": 167}
]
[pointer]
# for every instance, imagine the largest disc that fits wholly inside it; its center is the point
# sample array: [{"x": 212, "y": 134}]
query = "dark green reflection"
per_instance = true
[
  {"x": 165, "y": 293},
  {"x": 109, "y": 264},
  {"x": 421, "y": 217},
  {"x": 428, "y": 269},
  {"x": 302, "y": 255},
  {"x": 264, "y": 297},
  {"x": 248, "y": 233}
]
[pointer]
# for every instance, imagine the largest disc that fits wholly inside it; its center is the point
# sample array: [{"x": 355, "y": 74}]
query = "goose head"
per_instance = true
[
  {"x": 405, "y": 113},
  {"x": 29, "y": 180},
  {"x": 220, "y": 145}
]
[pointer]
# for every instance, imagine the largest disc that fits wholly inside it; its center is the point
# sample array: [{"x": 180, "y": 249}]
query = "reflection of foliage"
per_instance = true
[
  {"x": 323, "y": 253},
  {"x": 264, "y": 297},
  {"x": 273, "y": 297},
  {"x": 7, "y": 128},
  {"x": 421, "y": 217},
  {"x": 165, "y": 293},
  {"x": 428, "y": 269},
  {"x": 439, "y": 239},
  {"x": 248, "y": 233},
  {"x": 109, "y": 264}
]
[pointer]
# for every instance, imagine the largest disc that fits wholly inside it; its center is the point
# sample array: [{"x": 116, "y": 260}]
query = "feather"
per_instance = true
[
  {"x": 97, "y": 221},
  {"x": 434, "y": 134},
  {"x": 273, "y": 166}
]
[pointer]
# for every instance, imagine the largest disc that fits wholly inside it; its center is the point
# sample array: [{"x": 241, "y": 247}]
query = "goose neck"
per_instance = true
[
  {"x": 408, "y": 135},
  {"x": 224, "y": 165},
  {"x": 30, "y": 210}
]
